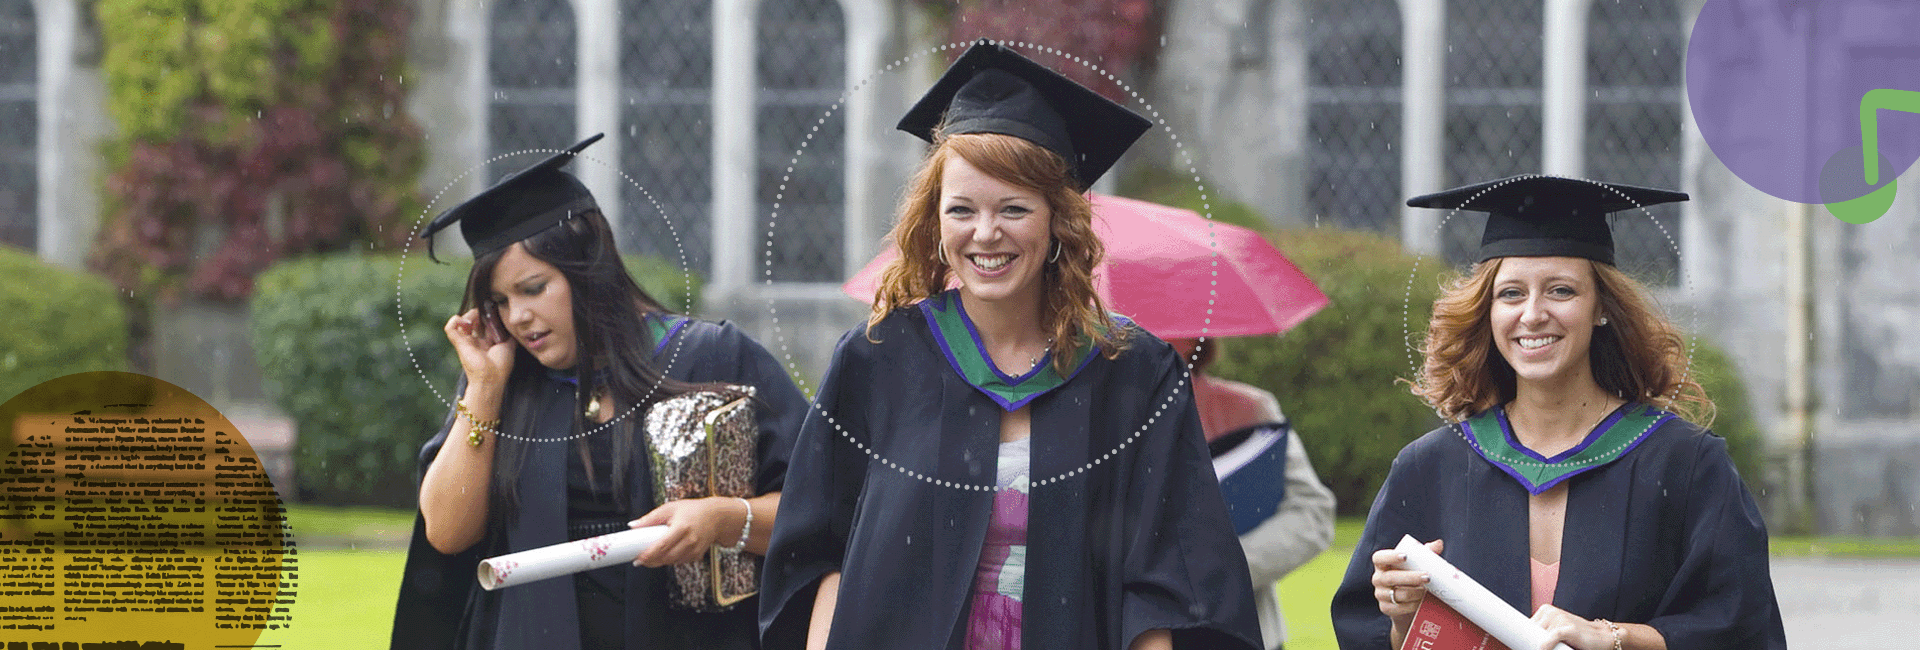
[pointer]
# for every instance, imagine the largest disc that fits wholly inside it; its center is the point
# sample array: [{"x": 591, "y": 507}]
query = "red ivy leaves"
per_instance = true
[
  {"x": 204, "y": 212},
  {"x": 1116, "y": 35}
]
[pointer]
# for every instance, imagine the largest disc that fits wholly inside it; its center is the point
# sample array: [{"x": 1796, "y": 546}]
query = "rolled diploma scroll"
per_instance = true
[
  {"x": 567, "y": 558},
  {"x": 1473, "y": 601}
]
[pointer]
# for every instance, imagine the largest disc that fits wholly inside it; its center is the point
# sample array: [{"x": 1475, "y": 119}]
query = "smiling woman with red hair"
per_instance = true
[
  {"x": 1004, "y": 464},
  {"x": 1568, "y": 483}
]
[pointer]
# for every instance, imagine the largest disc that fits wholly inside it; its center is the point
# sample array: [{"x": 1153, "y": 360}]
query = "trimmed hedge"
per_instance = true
[
  {"x": 1733, "y": 417},
  {"x": 329, "y": 343},
  {"x": 59, "y": 322}
]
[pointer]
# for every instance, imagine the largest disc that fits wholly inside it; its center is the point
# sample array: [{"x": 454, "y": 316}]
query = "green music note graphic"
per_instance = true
[{"x": 1874, "y": 202}]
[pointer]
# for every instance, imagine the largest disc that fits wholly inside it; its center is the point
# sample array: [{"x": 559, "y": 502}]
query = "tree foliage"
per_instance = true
[
  {"x": 251, "y": 130},
  {"x": 1116, "y": 35}
]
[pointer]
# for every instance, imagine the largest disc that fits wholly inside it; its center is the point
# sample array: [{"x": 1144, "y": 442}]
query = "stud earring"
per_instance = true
[{"x": 1603, "y": 321}]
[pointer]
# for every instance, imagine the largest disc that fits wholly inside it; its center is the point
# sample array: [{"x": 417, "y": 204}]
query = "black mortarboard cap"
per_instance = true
[
  {"x": 1546, "y": 216},
  {"x": 525, "y": 202},
  {"x": 992, "y": 89}
]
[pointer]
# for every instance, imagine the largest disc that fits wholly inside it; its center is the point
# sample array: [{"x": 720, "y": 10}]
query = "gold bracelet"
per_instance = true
[
  {"x": 1618, "y": 634},
  {"x": 478, "y": 427}
]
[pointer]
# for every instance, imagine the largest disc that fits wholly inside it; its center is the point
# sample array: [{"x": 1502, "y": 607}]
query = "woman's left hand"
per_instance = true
[
  {"x": 693, "y": 526},
  {"x": 1576, "y": 632}
]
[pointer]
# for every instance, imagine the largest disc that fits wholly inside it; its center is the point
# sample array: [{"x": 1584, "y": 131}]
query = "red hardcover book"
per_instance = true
[{"x": 1438, "y": 627}]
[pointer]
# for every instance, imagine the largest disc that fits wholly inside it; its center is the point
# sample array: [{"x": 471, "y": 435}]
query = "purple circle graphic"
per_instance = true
[{"x": 1776, "y": 87}]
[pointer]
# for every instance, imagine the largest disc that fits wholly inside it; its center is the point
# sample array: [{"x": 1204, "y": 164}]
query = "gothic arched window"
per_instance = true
[
  {"x": 666, "y": 100},
  {"x": 531, "y": 67},
  {"x": 1634, "y": 54},
  {"x": 802, "y": 62},
  {"x": 1493, "y": 103},
  {"x": 1353, "y": 122},
  {"x": 19, "y": 125}
]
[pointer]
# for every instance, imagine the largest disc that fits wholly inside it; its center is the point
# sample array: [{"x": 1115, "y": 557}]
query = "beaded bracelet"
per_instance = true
[
  {"x": 478, "y": 427},
  {"x": 744, "y": 528},
  {"x": 1618, "y": 634}
]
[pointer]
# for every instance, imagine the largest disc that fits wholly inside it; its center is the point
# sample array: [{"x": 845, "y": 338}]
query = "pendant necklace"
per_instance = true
[
  {"x": 1034, "y": 362},
  {"x": 593, "y": 406}
]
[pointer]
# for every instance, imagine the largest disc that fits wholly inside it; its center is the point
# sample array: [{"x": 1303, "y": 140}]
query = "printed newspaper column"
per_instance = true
[{"x": 136, "y": 513}]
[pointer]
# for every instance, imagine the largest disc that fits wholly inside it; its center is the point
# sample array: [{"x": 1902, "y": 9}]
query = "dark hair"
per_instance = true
[{"x": 608, "y": 322}]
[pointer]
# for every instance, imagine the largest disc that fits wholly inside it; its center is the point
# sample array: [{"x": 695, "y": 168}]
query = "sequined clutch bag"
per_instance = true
[{"x": 701, "y": 444}]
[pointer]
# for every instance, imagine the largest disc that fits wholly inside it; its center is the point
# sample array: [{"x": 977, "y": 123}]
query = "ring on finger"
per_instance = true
[{"x": 1393, "y": 594}]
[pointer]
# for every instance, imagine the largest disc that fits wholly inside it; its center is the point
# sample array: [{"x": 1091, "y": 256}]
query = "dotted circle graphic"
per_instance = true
[
  {"x": 773, "y": 223},
  {"x": 1406, "y": 304},
  {"x": 399, "y": 305}
]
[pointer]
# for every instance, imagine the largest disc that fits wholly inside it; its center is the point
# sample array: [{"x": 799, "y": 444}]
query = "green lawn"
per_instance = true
[
  {"x": 349, "y": 574},
  {"x": 1306, "y": 593},
  {"x": 350, "y": 561},
  {"x": 345, "y": 600},
  {"x": 1839, "y": 546}
]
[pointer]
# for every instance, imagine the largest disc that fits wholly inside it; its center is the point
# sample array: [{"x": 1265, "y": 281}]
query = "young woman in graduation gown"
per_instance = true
[
  {"x": 1004, "y": 464},
  {"x": 1572, "y": 481},
  {"x": 562, "y": 353}
]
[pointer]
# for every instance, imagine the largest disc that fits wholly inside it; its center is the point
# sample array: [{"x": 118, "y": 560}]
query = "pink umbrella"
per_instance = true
[{"x": 1161, "y": 269}]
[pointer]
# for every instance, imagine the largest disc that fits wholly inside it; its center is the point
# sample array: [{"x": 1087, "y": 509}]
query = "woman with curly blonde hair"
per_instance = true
[
  {"x": 994, "y": 461},
  {"x": 1570, "y": 480}
]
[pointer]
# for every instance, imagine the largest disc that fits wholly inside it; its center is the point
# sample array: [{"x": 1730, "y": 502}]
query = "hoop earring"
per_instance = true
[
  {"x": 940, "y": 253},
  {"x": 1056, "y": 252}
]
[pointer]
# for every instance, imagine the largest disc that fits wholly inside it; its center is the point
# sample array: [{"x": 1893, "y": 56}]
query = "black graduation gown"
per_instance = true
[
  {"x": 1666, "y": 535},
  {"x": 1138, "y": 541},
  {"x": 441, "y": 604}
]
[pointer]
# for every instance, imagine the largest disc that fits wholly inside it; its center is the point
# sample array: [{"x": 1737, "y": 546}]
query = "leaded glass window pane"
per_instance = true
[
  {"x": 802, "y": 61},
  {"x": 531, "y": 66},
  {"x": 1353, "y": 122},
  {"x": 1493, "y": 103},
  {"x": 666, "y": 71},
  {"x": 19, "y": 125},
  {"x": 1634, "y": 54}
]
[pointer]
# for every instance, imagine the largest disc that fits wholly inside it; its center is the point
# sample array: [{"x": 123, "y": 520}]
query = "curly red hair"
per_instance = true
[
  {"x": 1640, "y": 356},
  {"x": 1071, "y": 311}
]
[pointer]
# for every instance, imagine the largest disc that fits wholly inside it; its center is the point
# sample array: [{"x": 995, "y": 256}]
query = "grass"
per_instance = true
[
  {"x": 349, "y": 575},
  {"x": 350, "y": 562},
  {"x": 345, "y": 600},
  {"x": 330, "y": 526},
  {"x": 1841, "y": 546},
  {"x": 1306, "y": 592}
]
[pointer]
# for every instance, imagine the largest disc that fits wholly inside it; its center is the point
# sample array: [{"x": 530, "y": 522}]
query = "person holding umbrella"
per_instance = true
[{"x": 1003, "y": 464}]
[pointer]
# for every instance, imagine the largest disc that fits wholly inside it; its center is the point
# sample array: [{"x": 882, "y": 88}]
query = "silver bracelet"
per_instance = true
[{"x": 744, "y": 528}]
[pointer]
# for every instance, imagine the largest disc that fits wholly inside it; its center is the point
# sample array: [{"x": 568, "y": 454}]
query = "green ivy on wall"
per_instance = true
[{"x": 250, "y": 131}]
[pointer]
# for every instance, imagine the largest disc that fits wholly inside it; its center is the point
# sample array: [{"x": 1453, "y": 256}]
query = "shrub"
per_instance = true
[
  {"x": 1733, "y": 417},
  {"x": 1336, "y": 374},
  {"x": 59, "y": 322},
  {"x": 327, "y": 338}
]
